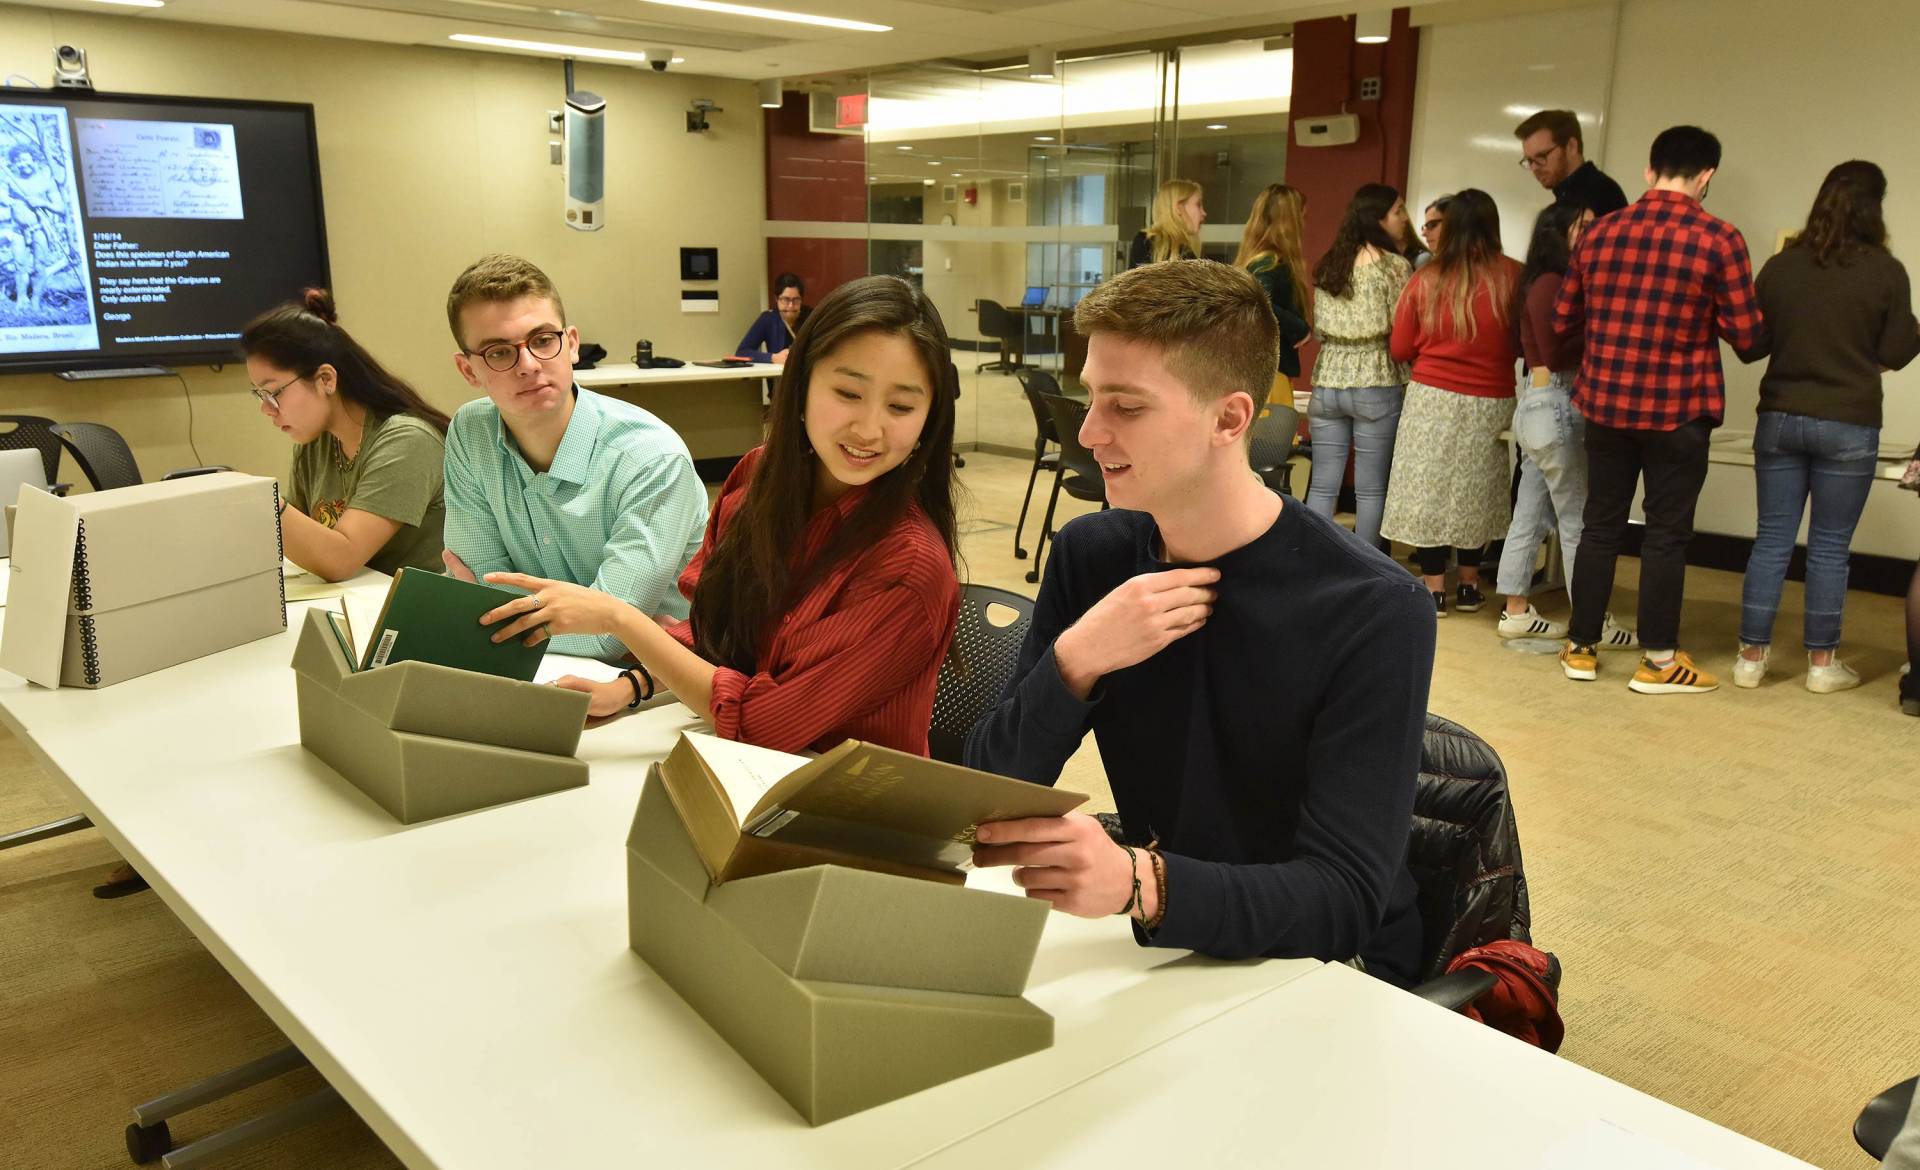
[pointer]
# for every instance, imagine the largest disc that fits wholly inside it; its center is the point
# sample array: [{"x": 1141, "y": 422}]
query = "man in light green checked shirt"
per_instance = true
[{"x": 552, "y": 480}]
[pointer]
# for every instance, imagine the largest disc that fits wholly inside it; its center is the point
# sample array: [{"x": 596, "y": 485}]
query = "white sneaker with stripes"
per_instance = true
[
  {"x": 1614, "y": 636},
  {"x": 1530, "y": 624}
]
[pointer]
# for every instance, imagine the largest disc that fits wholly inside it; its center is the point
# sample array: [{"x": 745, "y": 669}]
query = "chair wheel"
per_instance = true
[
  {"x": 148, "y": 1143},
  {"x": 1033, "y": 576},
  {"x": 1019, "y": 554}
]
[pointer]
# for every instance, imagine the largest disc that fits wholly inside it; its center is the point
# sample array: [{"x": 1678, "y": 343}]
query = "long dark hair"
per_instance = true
[
  {"x": 1469, "y": 261},
  {"x": 1547, "y": 252},
  {"x": 1846, "y": 217},
  {"x": 785, "y": 281},
  {"x": 750, "y": 578},
  {"x": 1359, "y": 227},
  {"x": 304, "y": 335}
]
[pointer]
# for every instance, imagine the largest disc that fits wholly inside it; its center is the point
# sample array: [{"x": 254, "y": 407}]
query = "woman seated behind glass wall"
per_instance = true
[
  {"x": 365, "y": 488},
  {"x": 824, "y": 595},
  {"x": 1174, "y": 233},
  {"x": 771, "y": 334}
]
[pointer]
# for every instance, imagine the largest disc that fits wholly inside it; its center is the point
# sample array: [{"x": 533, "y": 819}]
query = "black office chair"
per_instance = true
[
  {"x": 1010, "y": 331},
  {"x": 1465, "y": 856},
  {"x": 30, "y": 432},
  {"x": 975, "y": 675},
  {"x": 1035, "y": 384},
  {"x": 1272, "y": 445},
  {"x": 1879, "y": 1123},
  {"x": 103, "y": 456},
  {"x": 1078, "y": 472}
]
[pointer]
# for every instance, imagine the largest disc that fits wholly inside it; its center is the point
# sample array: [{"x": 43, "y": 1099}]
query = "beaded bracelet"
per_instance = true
[{"x": 1159, "y": 864}]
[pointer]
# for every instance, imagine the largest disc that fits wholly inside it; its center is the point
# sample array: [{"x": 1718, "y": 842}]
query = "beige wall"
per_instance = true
[{"x": 430, "y": 157}]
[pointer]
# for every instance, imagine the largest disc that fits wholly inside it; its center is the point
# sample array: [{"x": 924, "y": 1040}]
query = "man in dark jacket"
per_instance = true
[{"x": 1552, "y": 147}]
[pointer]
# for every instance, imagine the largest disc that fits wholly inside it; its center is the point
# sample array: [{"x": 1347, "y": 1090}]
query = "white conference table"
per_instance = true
[
  {"x": 1338, "y": 1069},
  {"x": 717, "y": 411},
  {"x": 466, "y": 985}
]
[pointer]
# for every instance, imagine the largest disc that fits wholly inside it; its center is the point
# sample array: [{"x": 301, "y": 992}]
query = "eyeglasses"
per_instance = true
[
  {"x": 270, "y": 397},
  {"x": 1430, "y": 225},
  {"x": 787, "y": 302},
  {"x": 504, "y": 355},
  {"x": 1534, "y": 162}
]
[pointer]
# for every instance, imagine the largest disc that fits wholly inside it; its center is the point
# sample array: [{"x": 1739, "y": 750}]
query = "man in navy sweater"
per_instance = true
[{"x": 1255, "y": 676}]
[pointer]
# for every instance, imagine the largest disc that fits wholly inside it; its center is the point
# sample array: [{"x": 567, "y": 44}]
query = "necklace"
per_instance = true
[{"x": 341, "y": 459}]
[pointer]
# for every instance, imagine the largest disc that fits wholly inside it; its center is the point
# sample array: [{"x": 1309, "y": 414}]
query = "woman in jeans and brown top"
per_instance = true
[
  {"x": 1357, "y": 386},
  {"x": 1839, "y": 310},
  {"x": 1450, "y": 467}
]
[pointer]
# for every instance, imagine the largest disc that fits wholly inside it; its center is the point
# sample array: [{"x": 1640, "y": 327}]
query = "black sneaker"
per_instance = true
[
  {"x": 1910, "y": 693},
  {"x": 1467, "y": 598},
  {"x": 1439, "y": 604}
]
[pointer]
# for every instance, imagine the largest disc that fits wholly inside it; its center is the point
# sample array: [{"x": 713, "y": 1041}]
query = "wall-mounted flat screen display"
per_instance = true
[{"x": 141, "y": 230}]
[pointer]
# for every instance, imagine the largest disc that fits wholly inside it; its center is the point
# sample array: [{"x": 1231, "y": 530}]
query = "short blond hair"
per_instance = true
[
  {"x": 494, "y": 278},
  {"x": 1213, "y": 321}
]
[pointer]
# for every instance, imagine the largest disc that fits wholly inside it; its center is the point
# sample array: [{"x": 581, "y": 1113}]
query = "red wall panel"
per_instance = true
[{"x": 820, "y": 177}]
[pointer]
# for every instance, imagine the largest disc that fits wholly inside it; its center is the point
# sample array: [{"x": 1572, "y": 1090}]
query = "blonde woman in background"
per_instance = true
[
  {"x": 1270, "y": 252},
  {"x": 1174, "y": 233}
]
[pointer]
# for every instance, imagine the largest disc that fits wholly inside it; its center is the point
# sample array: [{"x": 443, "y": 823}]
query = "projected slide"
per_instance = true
[
  {"x": 45, "y": 294},
  {"x": 159, "y": 170}
]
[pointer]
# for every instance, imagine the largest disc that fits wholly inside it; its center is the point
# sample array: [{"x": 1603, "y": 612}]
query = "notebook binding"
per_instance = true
[
  {"x": 280, "y": 542},
  {"x": 83, "y": 601}
]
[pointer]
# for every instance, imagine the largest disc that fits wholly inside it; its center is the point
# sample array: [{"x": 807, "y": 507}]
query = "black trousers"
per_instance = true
[
  {"x": 1674, "y": 465},
  {"x": 1433, "y": 561}
]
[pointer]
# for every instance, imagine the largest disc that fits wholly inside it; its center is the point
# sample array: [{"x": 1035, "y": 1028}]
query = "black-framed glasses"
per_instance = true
[
  {"x": 787, "y": 302},
  {"x": 270, "y": 397},
  {"x": 1431, "y": 224},
  {"x": 504, "y": 355},
  {"x": 1534, "y": 162}
]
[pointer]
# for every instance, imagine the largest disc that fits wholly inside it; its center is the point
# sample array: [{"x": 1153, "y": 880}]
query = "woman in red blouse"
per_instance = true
[{"x": 824, "y": 595}]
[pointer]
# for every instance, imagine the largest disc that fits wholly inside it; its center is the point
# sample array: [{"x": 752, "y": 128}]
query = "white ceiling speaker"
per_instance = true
[
  {"x": 770, "y": 97},
  {"x": 1373, "y": 28}
]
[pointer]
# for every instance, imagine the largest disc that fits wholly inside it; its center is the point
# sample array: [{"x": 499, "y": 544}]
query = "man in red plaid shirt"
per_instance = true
[{"x": 1658, "y": 285}]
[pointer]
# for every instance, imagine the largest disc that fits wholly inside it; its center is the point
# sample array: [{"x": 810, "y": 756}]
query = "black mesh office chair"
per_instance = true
[
  {"x": 30, "y": 432},
  {"x": 1035, "y": 384},
  {"x": 1010, "y": 331},
  {"x": 1272, "y": 445},
  {"x": 975, "y": 675},
  {"x": 1078, "y": 473},
  {"x": 103, "y": 456},
  {"x": 1879, "y": 1123}
]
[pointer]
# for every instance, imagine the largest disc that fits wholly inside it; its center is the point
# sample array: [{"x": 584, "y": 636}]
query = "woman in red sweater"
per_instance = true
[
  {"x": 824, "y": 595},
  {"x": 1450, "y": 467}
]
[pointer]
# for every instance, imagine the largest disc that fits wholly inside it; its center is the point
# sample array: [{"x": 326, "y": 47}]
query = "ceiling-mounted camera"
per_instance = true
[{"x": 659, "y": 59}]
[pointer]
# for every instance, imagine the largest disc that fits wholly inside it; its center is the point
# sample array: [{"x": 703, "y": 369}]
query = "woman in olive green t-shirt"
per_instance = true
[{"x": 365, "y": 489}]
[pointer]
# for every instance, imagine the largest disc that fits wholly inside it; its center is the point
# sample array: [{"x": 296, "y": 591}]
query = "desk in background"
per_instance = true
[{"x": 718, "y": 412}]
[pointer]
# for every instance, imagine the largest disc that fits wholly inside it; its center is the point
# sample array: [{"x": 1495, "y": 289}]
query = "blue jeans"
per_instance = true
[
  {"x": 1363, "y": 420},
  {"x": 1553, "y": 481},
  {"x": 1795, "y": 456}
]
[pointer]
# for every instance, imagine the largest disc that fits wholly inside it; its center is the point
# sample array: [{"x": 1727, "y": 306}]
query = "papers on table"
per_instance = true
[
  {"x": 1602, "y": 1145},
  {"x": 304, "y": 586}
]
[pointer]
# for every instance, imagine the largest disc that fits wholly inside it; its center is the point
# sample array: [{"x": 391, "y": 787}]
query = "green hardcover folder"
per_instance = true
[{"x": 429, "y": 617}]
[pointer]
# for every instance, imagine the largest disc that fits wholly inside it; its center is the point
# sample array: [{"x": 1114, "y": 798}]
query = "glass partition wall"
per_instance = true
[{"x": 1008, "y": 197}]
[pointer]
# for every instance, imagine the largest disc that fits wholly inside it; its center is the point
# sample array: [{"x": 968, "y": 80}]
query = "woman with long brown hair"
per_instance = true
[
  {"x": 1357, "y": 384},
  {"x": 1270, "y": 251},
  {"x": 1839, "y": 310},
  {"x": 824, "y": 595},
  {"x": 1174, "y": 231},
  {"x": 1450, "y": 466},
  {"x": 365, "y": 487}
]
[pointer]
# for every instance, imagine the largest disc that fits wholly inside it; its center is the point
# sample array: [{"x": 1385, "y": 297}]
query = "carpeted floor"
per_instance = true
[{"x": 1731, "y": 880}]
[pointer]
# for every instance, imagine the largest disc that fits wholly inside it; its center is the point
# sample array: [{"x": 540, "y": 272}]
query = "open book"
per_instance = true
[{"x": 754, "y": 811}]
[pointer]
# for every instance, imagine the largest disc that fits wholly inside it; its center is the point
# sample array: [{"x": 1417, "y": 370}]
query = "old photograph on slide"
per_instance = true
[{"x": 46, "y": 301}]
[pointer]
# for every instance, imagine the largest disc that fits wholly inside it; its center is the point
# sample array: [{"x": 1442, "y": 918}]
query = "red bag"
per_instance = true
[{"x": 1522, "y": 1004}]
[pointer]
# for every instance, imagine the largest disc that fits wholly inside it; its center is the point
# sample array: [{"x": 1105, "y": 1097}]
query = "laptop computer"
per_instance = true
[
  {"x": 17, "y": 469},
  {"x": 1036, "y": 297}
]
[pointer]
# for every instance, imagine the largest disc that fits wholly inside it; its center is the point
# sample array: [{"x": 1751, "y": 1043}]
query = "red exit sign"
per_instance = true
[{"x": 850, "y": 111}]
